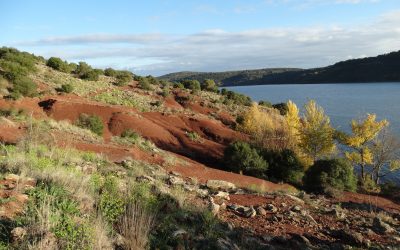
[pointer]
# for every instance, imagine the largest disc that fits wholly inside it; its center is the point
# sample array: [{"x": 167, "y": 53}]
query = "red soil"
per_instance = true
[{"x": 10, "y": 134}]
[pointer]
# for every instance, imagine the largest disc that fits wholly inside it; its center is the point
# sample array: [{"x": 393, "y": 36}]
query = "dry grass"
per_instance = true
[
  {"x": 101, "y": 241},
  {"x": 135, "y": 226}
]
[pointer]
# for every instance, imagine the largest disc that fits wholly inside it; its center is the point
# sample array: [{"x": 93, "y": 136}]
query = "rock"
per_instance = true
[
  {"x": 283, "y": 204},
  {"x": 145, "y": 178},
  {"x": 310, "y": 218},
  {"x": 12, "y": 177},
  {"x": 174, "y": 173},
  {"x": 18, "y": 234},
  {"x": 188, "y": 188},
  {"x": 202, "y": 193},
  {"x": 296, "y": 208},
  {"x": 261, "y": 211},
  {"x": 349, "y": 237},
  {"x": 294, "y": 198},
  {"x": 381, "y": 227},
  {"x": 271, "y": 208},
  {"x": 338, "y": 213},
  {"x": 223, "y": 195},
  {"x": 179, "y": 232},
  {"x": 226, "y": 244},
  {"x": 220, "y": 185},
  {"x": 213, "y": 207},
  {"x": 247, "y": 212},
  {"x": 222, "y": 206},
  {"x": 174, "y": 180}
]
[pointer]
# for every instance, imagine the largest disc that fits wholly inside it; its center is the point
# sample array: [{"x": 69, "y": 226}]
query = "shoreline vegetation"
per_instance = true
[{"x": 107, "y": 159}]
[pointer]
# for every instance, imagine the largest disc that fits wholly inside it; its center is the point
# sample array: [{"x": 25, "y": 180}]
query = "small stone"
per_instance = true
[
  {"x": 220, "y": 185},
  {"x": 18, "y": 234},
  {"x": 174, "y": 180},
  {"x": 179, "y": 232},
  {"x": 294, "y": 198},
  {"x": 296, "y": 208},
  {"x": 145, "y": 178},
  {"x": 381, "y": 227},
  {"x": 12, "y": 177},
  {"x": 214, "y": 208},
  {"x": 261, "y": 211},
  {"x": 283, "y": 204},
  {"x": 175, "y": 173},
  {"x": 271, "y": 208},
  {"x": 202, "y": 193},
  {"x": 223, "y": 195}
]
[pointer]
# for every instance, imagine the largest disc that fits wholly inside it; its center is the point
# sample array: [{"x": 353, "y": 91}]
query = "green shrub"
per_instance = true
[
  {"x": 236, "y": 98},
  {"x": 166, "y": 92},
  {"x": 265, "y": 104},
  {"x": 144, "y": 84},
  {"x": 111, "y": 202},
  {"x": 66, "y": 88},
  {"x": 284, "y": 166},
  {"x": 179, "y": 85},
  {"x": 282, "y": 107},
  {"x": 325, "y": 174},
  {"x": 60, "y": 65},
  {"x": 91, "y": 122},
  {"x": 241, "y": 157},
  {"x": 191, "y": 84},
  {"x": 152, "y": 80},
  {"x": 193, "y": 136},
  {"x": 110, "y": 72},
  {"x": 209, "y": 85},
  {"x": 123, "y": 78},
  {"x": 92, "y": 75},
  {"x": 23, "y": 86}
]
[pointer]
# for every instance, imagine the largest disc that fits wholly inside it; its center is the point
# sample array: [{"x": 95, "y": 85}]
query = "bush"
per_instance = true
[
  {"x": 179, "y": 85},
  {"x": 282, "y": 107},
  {"x": 191, "y": 84},
  {"x": 326, "y": 174},
  {"x": 209, "y": 85},
  {"x": 284, "y": 166},
  {"x": 23, "y": 86},
  {"x": 60, "y": 65},
  {"x": 92, "y": 75},
  {"x": 66, "y": 88},
  {"x": 265, "y": 104},
  {"x": 241, "y": 157},
  {"x": 110, "y": 72},
  {"x": 152, "y": 80},
  {"x": 144, "y": 84},
  {"x": 236, "y": 98},
  {"x": 91, "y": 122},
  {"x": 123, "y": 78}
]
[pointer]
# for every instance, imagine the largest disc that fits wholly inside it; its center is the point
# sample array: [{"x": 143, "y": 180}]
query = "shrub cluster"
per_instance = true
[
  {"x": 209, "y": 85},
  {"x": 326, "y": 174},
  {"x": 60, "y": 65},
  {"x": 15, "y": 66},
  {"x": 91, "y": 122},
  {"x": 236, "y": 98},
  {"x": 273, "y": 165}
]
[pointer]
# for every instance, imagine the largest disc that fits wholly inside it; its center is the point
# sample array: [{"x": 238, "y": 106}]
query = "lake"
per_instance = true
[{"x": 341, "y": 102}]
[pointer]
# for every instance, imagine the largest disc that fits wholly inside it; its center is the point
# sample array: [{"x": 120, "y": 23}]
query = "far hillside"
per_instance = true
[{"x": 382, "y": 68}]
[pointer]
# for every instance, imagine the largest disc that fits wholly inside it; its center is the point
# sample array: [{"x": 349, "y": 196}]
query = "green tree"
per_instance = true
[
  {"x": 58, "y": 64},
  {"x": 209, "y": 85},
  {"x": 325, "y": 174},
  {"x": 241, "y": 157}
]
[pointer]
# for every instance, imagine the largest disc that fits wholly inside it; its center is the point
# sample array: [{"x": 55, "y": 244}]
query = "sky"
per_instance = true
[{"x": 163, "y": 36}]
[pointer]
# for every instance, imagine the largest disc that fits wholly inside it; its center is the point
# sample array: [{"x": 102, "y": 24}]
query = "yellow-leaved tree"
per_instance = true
[
  {"x": 316, "y": 133},
  {"x": 268, "y": 128},
  {"x": 361, "y": 141},
  {"x": 293, "y": 122}
]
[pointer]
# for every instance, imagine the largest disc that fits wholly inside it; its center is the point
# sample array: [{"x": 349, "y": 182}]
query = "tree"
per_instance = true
[
  {"x": 240, "y": 157},
  {"x": 333, "y": 173},
  {"x": 83, "y": 69},
  {"x": 209, "y": 85},
  {"x": 58, "y": 64},
  {"x": 316, "y": 133},
  {"x": 268, "y": 129},
  {"x": 386, "y": 153},
  {"x": 110, "y": 72},
  {"x": 361, "y": 141},
  {"x": 293, "y": 122}
]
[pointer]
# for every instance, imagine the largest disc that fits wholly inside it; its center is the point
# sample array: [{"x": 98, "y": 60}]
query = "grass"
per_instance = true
[
  {"x": 194, "y": 136},
  {"x": 55, "y": 79},
  {"x": 129, "y": 99},
  {"x": 130, "y": 137}
]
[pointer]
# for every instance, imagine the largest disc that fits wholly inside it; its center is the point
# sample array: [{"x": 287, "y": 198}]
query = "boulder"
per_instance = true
[
  {"x": 220, "y": 185},
  {"x": 271, "y": 208},
  {"x": 175, "y": 180},
  {"x": 223, "y": 195},
  {"x": 261, "y": 211},
  {"x": 381, "y": 227},
  {"x": 18, "y": 234}
]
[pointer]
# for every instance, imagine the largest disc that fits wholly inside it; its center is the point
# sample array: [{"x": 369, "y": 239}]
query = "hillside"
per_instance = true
[
  {"x": 104, "y": 159},
  {"x": 383, "y": 68}
]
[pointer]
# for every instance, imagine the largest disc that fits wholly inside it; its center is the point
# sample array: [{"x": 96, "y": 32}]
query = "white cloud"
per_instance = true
[{"x": 218, "y": 50}]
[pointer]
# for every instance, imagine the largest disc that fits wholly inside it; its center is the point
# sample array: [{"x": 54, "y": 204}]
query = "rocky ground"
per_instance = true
[{"x": 262, "y": 213}]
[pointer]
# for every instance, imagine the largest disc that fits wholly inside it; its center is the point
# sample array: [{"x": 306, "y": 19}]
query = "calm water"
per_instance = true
[{"x": 342, "y": 102}]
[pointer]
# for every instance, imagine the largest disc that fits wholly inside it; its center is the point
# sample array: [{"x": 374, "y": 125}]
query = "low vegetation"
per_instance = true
[{"x": 91, "y": 122}]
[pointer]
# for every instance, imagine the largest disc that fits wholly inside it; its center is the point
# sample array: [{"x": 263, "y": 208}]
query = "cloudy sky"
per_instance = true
[{"x": 163, "y": 36}]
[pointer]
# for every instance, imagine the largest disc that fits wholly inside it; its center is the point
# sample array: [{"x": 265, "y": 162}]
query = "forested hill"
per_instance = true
[{"x": 381, "y": 68}]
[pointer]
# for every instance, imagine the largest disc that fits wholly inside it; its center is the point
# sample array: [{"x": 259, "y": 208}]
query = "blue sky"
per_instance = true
[{"x": 158, "y": 37}]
